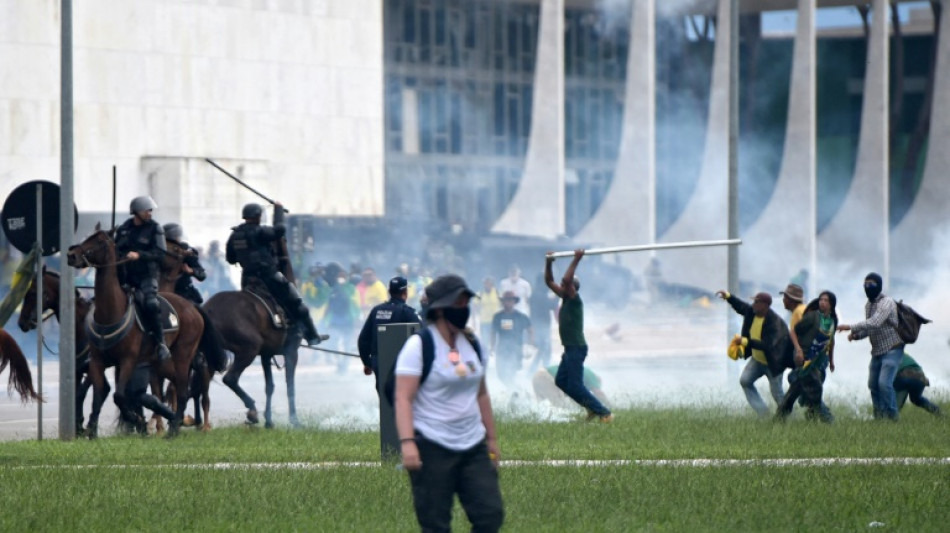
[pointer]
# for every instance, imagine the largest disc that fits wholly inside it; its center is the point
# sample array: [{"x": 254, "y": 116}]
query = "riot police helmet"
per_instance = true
[
  {"x": 252, "y": 211},
  {"x": 173, "y": 232},
  {"x": 142, "y": 203}
]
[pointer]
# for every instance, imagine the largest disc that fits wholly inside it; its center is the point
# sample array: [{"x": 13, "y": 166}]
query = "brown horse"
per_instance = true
[
  {"x": 29, "y": 319},
  {"x": 113, "y": 308},
  {"x": 207, "y": 362},
  {"x": 247, "y": 329},
  {"x": 21, "y": 380}
]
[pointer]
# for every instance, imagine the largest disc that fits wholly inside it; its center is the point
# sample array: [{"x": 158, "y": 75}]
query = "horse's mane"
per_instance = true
[{"x": 56, "y": 275}]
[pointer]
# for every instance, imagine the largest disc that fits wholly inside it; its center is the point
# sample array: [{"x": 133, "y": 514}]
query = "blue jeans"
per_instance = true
[
  {"x": 570, "y": 379},
  {"x": 881, "y": 373},
  {"x": 750, "y": 374}
]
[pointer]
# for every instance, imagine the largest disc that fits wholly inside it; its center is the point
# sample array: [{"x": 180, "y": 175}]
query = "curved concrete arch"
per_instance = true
[
  {"x": 856, "y": 239},
  {"x": 782, "y": 240},
  {"x": 914, "y": 249},
  {"x": 627, "y": 215},
  {"x": 537, "y": 208},
  {"x": 705, "y": 215}
]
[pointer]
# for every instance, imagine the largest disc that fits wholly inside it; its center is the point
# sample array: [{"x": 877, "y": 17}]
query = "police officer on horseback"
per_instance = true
[
  {"x": 191, "y": 267},
  {"x": 252, "y": 245},
  {"x": 140, "y": 241}
]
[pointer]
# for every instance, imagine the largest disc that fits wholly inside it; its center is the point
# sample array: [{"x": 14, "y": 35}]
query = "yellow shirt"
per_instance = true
[
  {"x": 374, "y": 295},
  {"x": 797, "y": 315},
  {"x": 488, "y": 305},
  {"x": 755, "y": 333}
]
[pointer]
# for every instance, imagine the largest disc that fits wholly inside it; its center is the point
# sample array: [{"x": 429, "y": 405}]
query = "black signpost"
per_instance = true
[{"x": 31, "y": 216}]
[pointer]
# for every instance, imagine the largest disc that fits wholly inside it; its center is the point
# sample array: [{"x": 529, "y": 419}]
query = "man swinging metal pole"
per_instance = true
[
  {"x": 245, "y": 185},
  {"x": 644, "y": 247}
]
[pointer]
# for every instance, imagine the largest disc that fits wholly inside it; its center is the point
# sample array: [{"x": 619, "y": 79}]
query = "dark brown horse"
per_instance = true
[
  {"x": 29, "y": 319},
  {"x": 21, "y": 379},
  {"x": 246, "y": 327},
  {"x": 112, "y": 308},
  {"x": 207, "y": 361}
]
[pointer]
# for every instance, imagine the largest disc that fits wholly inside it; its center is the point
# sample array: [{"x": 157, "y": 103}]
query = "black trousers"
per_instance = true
[{"x": 445, "y": 473}]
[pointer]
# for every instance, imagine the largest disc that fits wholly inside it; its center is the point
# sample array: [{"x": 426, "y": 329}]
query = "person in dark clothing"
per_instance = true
[
  {"x": 508, "y": 328},
  {"x": 191, "y": 268},
  {"x": 816, "y": 335},
  {"x": 765, "y": 335},
  {"x": 251, "y": 245},
  {"x": 395, "y": 311},
  {"x": 911, "y": 381},
  {"x": 138, "y": 395},
  {"x": 140, "y": 243},
  {"x": 570, "y": 373}
]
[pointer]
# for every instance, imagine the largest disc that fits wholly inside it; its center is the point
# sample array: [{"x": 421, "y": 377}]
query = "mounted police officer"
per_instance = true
[
  {"x": 395, "y": 311},
  {"x": 190, "y": 269},
  {"x": 141, "y": 242},
  {"x": 251, "y": 245}
]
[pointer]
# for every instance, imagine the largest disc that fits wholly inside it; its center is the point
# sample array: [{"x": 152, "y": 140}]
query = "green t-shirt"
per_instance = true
[{"x": 571, "y": 322}]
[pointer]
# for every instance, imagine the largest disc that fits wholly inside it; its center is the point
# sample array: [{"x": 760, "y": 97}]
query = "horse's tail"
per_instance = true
[
  {"x": 21, "y": 379},
  {"x": 212, "y": 345}
]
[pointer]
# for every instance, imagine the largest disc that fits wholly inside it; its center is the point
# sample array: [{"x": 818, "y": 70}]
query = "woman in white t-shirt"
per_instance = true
[{"x": 445, "y": 423}]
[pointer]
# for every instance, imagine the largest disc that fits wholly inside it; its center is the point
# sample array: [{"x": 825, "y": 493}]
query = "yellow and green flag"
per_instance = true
[{"x": 19, "y": 285}]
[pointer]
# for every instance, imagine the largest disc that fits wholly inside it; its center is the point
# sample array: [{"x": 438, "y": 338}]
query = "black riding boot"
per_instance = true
[
  {"x": 309, "y": 329},
  {"x": 158, "y": 335}
]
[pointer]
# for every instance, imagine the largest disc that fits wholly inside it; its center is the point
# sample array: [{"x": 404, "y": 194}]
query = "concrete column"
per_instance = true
[
  {"x": 856, "y": 240},
  {"x": 705, "y": 214},
  {"x": 782, "y": 240},
  {"x": 919, "y": 243},
  {"x": 537, "y": 208},
  {"x": 627, "y": 215}
]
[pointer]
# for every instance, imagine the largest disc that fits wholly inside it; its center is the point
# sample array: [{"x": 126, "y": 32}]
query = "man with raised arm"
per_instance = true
[{"x": 570, "y": 318}]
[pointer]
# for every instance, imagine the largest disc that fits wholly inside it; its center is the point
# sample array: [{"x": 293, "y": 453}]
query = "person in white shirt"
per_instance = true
[
  {"x": 445, "y": 424},
  {"x": 518, "y": 285}
]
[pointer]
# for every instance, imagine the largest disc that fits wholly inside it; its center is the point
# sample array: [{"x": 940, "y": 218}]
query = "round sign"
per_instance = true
[{"x": 19, "y": 216}]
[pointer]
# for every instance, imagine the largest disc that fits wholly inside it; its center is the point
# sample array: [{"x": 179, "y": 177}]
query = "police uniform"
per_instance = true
[
  {"x": 395, "y": 311},
  {"x": 251, "y": 246},
  {"x": 148, "y": 240},
  {"x": 183, "y": 285}
]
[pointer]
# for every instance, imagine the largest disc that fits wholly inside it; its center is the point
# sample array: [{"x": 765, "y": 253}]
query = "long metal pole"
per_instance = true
[
  {"x": 241, "y": 182},
  {"x": 67, "y": 298},
  {"x": 645, "y": 247},
  {"x": 39, "y": 309},
  {"x": 732, "y": 259}
]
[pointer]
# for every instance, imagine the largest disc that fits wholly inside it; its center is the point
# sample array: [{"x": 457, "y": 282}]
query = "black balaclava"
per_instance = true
[{"x": 873, "y": 284}]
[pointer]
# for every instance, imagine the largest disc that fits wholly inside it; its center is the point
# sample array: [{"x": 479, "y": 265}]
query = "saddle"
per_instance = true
[
  {"x": 278, "y": 315},
  {"x": 105, "y": 336}
]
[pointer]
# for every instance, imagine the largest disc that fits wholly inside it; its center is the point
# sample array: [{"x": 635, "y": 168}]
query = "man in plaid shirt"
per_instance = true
[{"x": 887, "y": 348}]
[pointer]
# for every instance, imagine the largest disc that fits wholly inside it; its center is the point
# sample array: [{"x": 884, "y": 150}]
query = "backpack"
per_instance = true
[
  {"x": 428, "y": 356},
  {"x": 908, "y": 323}
]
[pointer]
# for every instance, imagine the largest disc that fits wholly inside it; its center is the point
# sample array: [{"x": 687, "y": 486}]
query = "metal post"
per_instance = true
[
  {"x": 732, "y": 262},
  {"x": 39, "y": 309},
  {"x": 67, "y": 298},
  {"x": 389, "y": 341}
]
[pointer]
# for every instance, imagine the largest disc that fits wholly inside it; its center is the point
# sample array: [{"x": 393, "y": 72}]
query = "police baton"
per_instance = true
[
  {"x": 245, "y": 185},
  {"x": 323, "y": 338}
]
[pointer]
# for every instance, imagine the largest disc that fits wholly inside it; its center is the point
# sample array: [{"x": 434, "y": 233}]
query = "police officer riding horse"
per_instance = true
[
  {"x": 140, "y": 245},
  {"x": 252, "y": 245},
  {"x": 191, "y": 267}
]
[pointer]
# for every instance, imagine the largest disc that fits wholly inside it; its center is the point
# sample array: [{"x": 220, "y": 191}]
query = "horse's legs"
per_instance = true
[
  {"x": 83, "y": 382},
  {"x": 201, "y": 392},
  {"x": 241, "y": 361},
  {"x": 156, "y": 384},
  {"x": 124, "y": 371},
  {"x": 290, "y": 367},
  {"x": 266, "y": 362},
  {"x": 100, "y": 389}
]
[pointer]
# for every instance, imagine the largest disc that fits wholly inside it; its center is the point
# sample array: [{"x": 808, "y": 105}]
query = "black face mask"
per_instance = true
[
  {"x": 872, "y": 286},
  {"x": 457, "y": 316}
]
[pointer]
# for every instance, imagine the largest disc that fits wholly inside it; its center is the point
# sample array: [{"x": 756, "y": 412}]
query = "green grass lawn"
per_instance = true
[{"x": 167, "y": 485}]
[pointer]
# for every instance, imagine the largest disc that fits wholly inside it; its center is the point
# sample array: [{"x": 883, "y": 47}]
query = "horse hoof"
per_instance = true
[
  {"x": 188, "y": 422},
  {"x": 269, "y": 425},
  {"x": 294, "y": 422},
  {"x": 252, "y": 417},
  {"x": 206, "y": 428}
]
